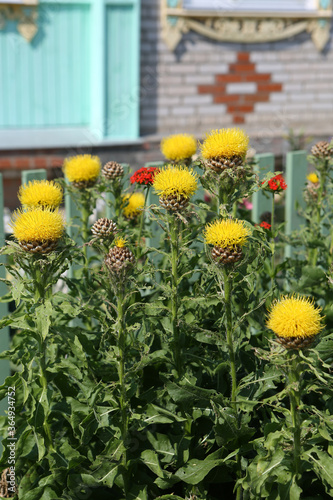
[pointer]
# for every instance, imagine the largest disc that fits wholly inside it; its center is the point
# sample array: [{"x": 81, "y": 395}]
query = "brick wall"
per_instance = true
[{"x": 265, "y": 88}]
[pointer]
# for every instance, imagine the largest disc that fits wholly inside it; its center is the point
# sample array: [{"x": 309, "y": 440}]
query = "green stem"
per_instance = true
[
  {"x": 116, "y": 190},
  {"x": 44, "y": 384},
  {"x": 39, "y": 294},
  {"x": 295, "y": 400},
  {"x": 121, "y": 375},
  {"x": 85, "y": 214},
  {"x": 227, "y": 298},
  {"x": 85, "y": 232},
  {"x": 273, "y": 240},
  {"x": 313, "y": 253},
  {"x": 222, "y": 199},
  {"x": 142, "y": 219},
  {"x": 234, "y": 209},
  {"x": 173, "y": 226},
  {"x": 38, "y": 281}
]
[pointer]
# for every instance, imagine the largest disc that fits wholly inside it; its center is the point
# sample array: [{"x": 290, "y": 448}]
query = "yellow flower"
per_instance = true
[
  {"x": 179, "y": 147},
  {"x": 175, "y": 181},
  {"x": 294, "y": 317},
  {"x": 226, "y": 233},
  {"x": 133, "y": 204},
  {"x": 82, "y": 168},
  {"x": 120, "y": 242},
  {"x": 37, "y": 224},
  {"x": 225, "y": 143},
  {"x": 40, "y": 194},
  {"x": 313, "y": 177}
]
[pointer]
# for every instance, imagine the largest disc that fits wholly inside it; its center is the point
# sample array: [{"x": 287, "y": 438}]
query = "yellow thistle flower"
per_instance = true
[
  {"x": 133, "y": 204},
  {"x": 175, "y": 181},
  {"x": 82, "y": 168},
  {"x": 37, "y": 224},
  {"x": 225, "y": 143},
  {"x": 179, "y": 147},
  {"x": 226, "y": 233},
  {"x": 120, "y": 242},
  {"x": 40, "y": 194},
  {"x": 313, "y": 177},
  {"x": 294, "y": 317}
]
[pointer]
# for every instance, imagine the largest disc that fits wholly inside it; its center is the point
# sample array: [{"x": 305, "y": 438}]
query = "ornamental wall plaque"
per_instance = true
[
  {"x": 24, "y": 12},
  {"x": 247, "y": 21}
]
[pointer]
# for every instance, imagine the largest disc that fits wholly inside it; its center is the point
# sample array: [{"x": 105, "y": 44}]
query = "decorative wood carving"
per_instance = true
[
  {"x": 25, "y": 15},
  {"x": 246, "y": 27}
]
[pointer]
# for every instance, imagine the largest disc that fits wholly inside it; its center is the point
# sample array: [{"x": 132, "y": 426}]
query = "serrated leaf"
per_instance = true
[{"x": 43, "y": 318}]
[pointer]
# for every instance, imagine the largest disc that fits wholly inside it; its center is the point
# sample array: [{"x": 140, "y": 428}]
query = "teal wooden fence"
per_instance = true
[{"x": 296, "y": 171}]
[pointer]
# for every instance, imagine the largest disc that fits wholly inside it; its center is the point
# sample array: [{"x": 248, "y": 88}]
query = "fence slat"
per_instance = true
[
  {"x": 296, "y": 171},
  {"x": 39, "y": 174},
  {"x": 4, "y": 332},
  {"x": 261, "y": 203}
]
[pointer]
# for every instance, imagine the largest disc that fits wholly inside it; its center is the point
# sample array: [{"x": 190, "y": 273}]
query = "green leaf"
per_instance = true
[
  {"x": 158, "y": 415},
  {"x": 43, "y": 318},
  {"x": 66, "y": 457},
  {"x": 196, "y": 470},
  {"x": 35, "y": 494},
  {"x": 188, "y": 394},
  {"x": 138, "y": 492},
  {"x": 26, "y": 445},
  {"x": 109, "y": 477},
  {"x": 323, "y": 466},
  {"x": 162, "y": 445},
  {"x": 169, "y": 497},
  {"x": 150, "y": 459},
  {"x": 295, "y": 491},
  {"x": 49, "y": 494},
  {"x": 77, "y": 481}
]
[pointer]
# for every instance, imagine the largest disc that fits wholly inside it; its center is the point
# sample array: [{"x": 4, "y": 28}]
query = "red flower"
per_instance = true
[
  {"x": 276, "y": 183},
  {"x": 144, "y": 175},
  {"x": 265, "y": 225}
]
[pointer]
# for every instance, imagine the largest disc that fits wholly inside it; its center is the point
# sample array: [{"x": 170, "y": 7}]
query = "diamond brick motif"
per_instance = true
[{"x": 241, "y": 88}]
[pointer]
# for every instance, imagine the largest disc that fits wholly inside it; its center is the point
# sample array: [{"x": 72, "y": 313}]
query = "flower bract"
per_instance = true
[
  {"x": 133, "y": 204},
  {"x": 144, "y": 175},
  {"x": 294, "y": 317},
  {"x": 175, "y": 181},
  {"x": 226, "y": 233},
  {"x": 225, "y": 143},
  {"x": 82, "y": 168},
  {"x": 37, "y": 224},
  {"x": 40, "y": 194},
  {"x": 179, "y": 147}
]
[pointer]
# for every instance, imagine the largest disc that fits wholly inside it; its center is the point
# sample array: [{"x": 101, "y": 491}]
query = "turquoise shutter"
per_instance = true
[{"x": 80, "y": 72}]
